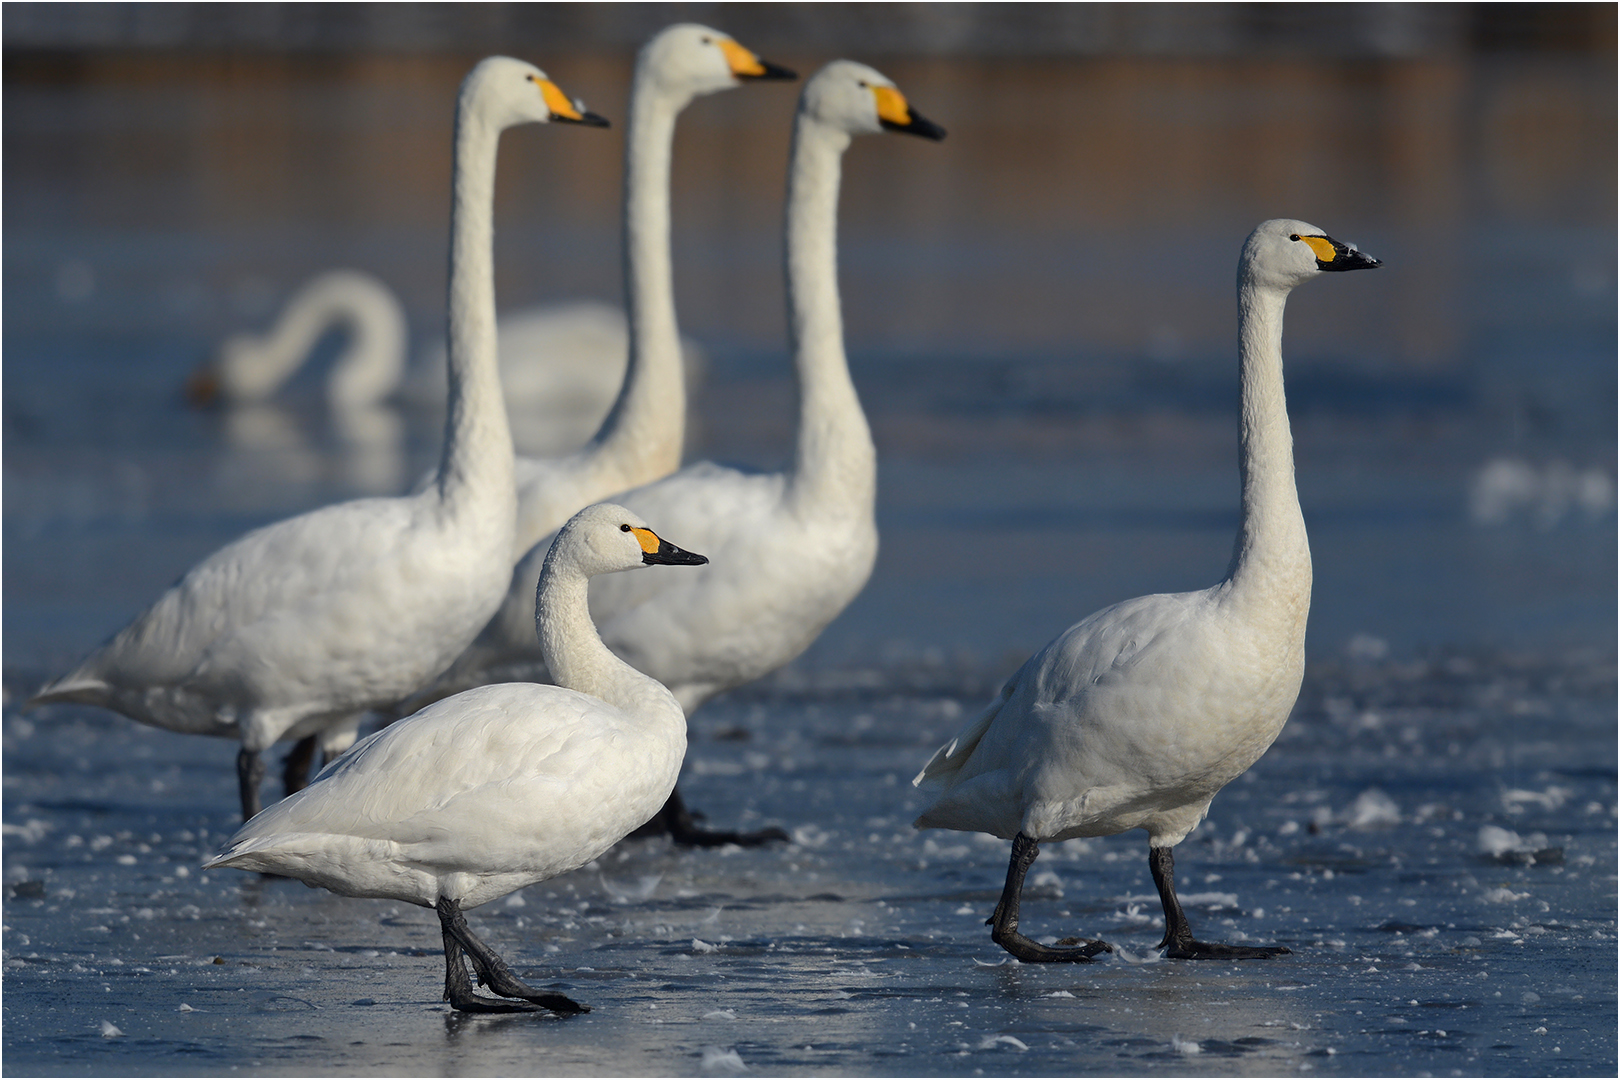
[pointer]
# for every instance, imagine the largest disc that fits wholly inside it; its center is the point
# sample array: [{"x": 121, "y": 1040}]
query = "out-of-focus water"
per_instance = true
[{"x": 1040, "y": 320}]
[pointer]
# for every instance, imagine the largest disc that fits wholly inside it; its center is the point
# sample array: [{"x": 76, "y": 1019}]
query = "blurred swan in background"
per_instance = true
[
  {"x": 789, "y": 549},
  {"x": 298, "y": 627},
  {"x": 499, "y": 787},
  {"x": 1134, "y": 717}
]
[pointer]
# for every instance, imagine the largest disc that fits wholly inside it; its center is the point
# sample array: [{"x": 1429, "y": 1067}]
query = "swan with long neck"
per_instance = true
[
  {"x": 1135, "y": 717},
  {"x": 300, "y": 625},
  {"x": 790, "y": 549},
  {"x": 499, "y": 787}
]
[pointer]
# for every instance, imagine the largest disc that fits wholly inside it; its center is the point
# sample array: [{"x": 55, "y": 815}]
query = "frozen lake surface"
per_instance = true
[
  {"x": 1434, "y": 840},
  {"x": 1040, "y": 325}
]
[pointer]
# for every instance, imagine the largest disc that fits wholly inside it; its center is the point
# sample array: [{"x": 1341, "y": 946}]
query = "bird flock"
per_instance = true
[{"x": 538, "y": 722}]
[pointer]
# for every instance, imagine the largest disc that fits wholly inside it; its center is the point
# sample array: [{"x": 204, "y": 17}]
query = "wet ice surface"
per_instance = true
[{"x": 1434, "y": 839}]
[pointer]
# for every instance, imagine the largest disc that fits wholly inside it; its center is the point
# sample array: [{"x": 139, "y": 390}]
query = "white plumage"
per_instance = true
[
  {"x": 789, "y": 550},
  {"x": 1137, "y": 715},
  {"x": 298, "y": 626},
  {"x": 498, "y": 787}
]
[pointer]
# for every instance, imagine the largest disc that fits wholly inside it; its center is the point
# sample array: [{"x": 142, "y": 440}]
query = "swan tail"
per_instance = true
[
  {"x": 73, "y": 688},
  {"x": 941, "y": 770}
]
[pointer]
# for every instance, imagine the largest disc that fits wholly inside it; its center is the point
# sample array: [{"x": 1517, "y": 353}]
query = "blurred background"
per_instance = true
[{"x": 1039, "y": 311}]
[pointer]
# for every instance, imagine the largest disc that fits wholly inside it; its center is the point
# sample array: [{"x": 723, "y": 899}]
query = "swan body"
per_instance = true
[
  {"x": 502, "y": 786},
  {"x": 300, "y": 625},
  {"x": 1137, "y": 715},
  {"x": 791, "y": 549}
]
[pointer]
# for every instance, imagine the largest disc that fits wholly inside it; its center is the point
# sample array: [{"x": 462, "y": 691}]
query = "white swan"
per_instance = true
[
  {"x": 300, "y": 625},
  {"x": 562, "y": 364},
  {"x": 499, "y": 787},
  {"x": 790, "y": 549},
  {"x": 1134, "y": 717},
  {"x": 641, "y": 438}
]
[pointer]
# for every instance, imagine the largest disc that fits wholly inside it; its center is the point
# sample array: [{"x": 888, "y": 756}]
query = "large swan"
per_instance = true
[
  {"x": 1134, "y": 717},
  {"x": 498, "y": 787},
  {"x": 298, "y": 626},
  {"x": 791, "y": 549}
]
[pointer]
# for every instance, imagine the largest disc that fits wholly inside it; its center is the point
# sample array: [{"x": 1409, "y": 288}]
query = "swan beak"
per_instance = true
[
  {"x": 656, "y": 551},
  {"x": 1332, "y": 255},
  {"x": 745, "y": 65},
  {"x": 566, "y": 111},
  {"x": 202, "y": 388},
  {"x": 895, "y": 114}
]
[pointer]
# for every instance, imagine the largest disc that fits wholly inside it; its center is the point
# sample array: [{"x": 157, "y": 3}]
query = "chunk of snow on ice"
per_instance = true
[
  {"x": 1551, "y": 799},
  {"x": 990, "y": 1042},
  {"x": 185, "y": 1008},
  {"x": 720, "y": 1014},
  {"x": 1503, "y": 896},
  {"x": 1185, "y": 1046},
  {"x": 1210, "y": 900},
  {"x": 1059, "y": 993},
  {"x": 966, "y": 909},
  {"x": 109, "y": 1031},
  {"x": 30, "y": 832},
  {"x": 1372, "y": 808},
  {"x": 701, "y": 946},
  {"x": 632, "y": 891},
  {"x": 1126, "y": 956},
  {"x": 722, "y": 1061},
  {"x": 1003, "y": 962}
]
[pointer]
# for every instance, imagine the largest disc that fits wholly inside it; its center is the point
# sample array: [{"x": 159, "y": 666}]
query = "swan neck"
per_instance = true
[
  {"x": 645, "y": 430},
  {"x": 1271, "y": 543},
  {"x": 835, "y": 461},
  {"x": 373, "y": 363},
  {"x": 477, "y": 458},
  {"x": 573, "y": 650}
]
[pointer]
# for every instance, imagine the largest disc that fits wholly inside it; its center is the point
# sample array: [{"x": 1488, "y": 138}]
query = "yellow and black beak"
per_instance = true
[
  {"x": 896, "y": 114},
  {"x": 1332, "y": 255},
  {"x": 659, "y": 552},
  {"x": 746, "y": 65},
  {"x": 564, "y": 110}
]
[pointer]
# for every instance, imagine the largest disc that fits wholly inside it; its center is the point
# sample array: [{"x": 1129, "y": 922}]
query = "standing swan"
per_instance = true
[
  {"x": 642, "y": 437},
  {"x": 1135, "y": 717},
  {"x": 300, "y": 625},
  {"x": 483, "y": 793},
  {"x": 791, "y": 549}
]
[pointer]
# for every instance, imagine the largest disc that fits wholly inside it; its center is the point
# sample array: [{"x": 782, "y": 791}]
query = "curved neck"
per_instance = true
[
  {"x": 372, "y": 359},
  {"x": 477, "y": 457},
  {"x": 373, "y": 363},
  {"x": 1271, "y": 539},
  {"x": 573, "y": 651},
  {"x": 644, "y": 432},
  {"x": 834, "y": 461}
]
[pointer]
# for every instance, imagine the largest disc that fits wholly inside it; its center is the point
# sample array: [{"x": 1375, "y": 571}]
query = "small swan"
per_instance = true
[
  {"x": 792, "y": 548},
  {"x": 299, "y": 626},
  {"x": 499, "y": 787},
  {"x": 1134, "y": 717}
]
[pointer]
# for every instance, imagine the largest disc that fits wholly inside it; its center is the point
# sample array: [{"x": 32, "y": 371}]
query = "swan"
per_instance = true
[
  {"x": 481, "y": 794},
  {"x": 561, "y": 364},
  {"x": 791, "y": 549},
  {"x": 1134, "y": 717},
  {"x": 298, "y": 626},
  {"x": 641, "y": 439}
]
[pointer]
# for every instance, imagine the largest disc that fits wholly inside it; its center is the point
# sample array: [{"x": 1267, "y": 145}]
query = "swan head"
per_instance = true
[
  {"x": 509, "y": 92},
  {"x": 860, "y": 100},
  {"x": 605, "y": 538},
  {"x": 1283, "y": 253},
  {"x": 688, "y": 60}
]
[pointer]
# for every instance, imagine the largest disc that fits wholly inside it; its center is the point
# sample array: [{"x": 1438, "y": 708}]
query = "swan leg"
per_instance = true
[
  {"x": 1178, "y": 943},
  {"x": 298, "y": 764},
  {"x": 677, "y": 822},
  {"x": 492, "y": 972},
  {"x": 249, "y": 775},
  {"x": 1004, "y": 922}
]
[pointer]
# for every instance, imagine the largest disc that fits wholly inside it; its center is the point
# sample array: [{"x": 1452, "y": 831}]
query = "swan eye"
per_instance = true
[
  {"x": 624, "y": 528},
  {"x": 1293, "y": 236}
]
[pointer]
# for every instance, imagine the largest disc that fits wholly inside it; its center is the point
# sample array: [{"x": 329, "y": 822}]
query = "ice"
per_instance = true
[
  {"x": 991, "y": 1042},
  {"x": 700, "y": 946},
  {"x": 1185, "y": 1047},
  {"x": 109, "y": 1030},
  {"x": 721, "y": 1061},
  {"x": 1372, "y": 809}
]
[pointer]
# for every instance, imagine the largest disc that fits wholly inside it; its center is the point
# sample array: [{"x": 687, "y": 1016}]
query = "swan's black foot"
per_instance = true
[
  {"x": 680, "y": 825},
  {"x": 1188, "y": 949},
  {"x": 1003, "y": 922},
  {"x": 1067, "y": 951},
  {"x": 1178, "y": 943},
  {"x": 249, "y": 775},
  {"x": 459, "y": 941}
]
